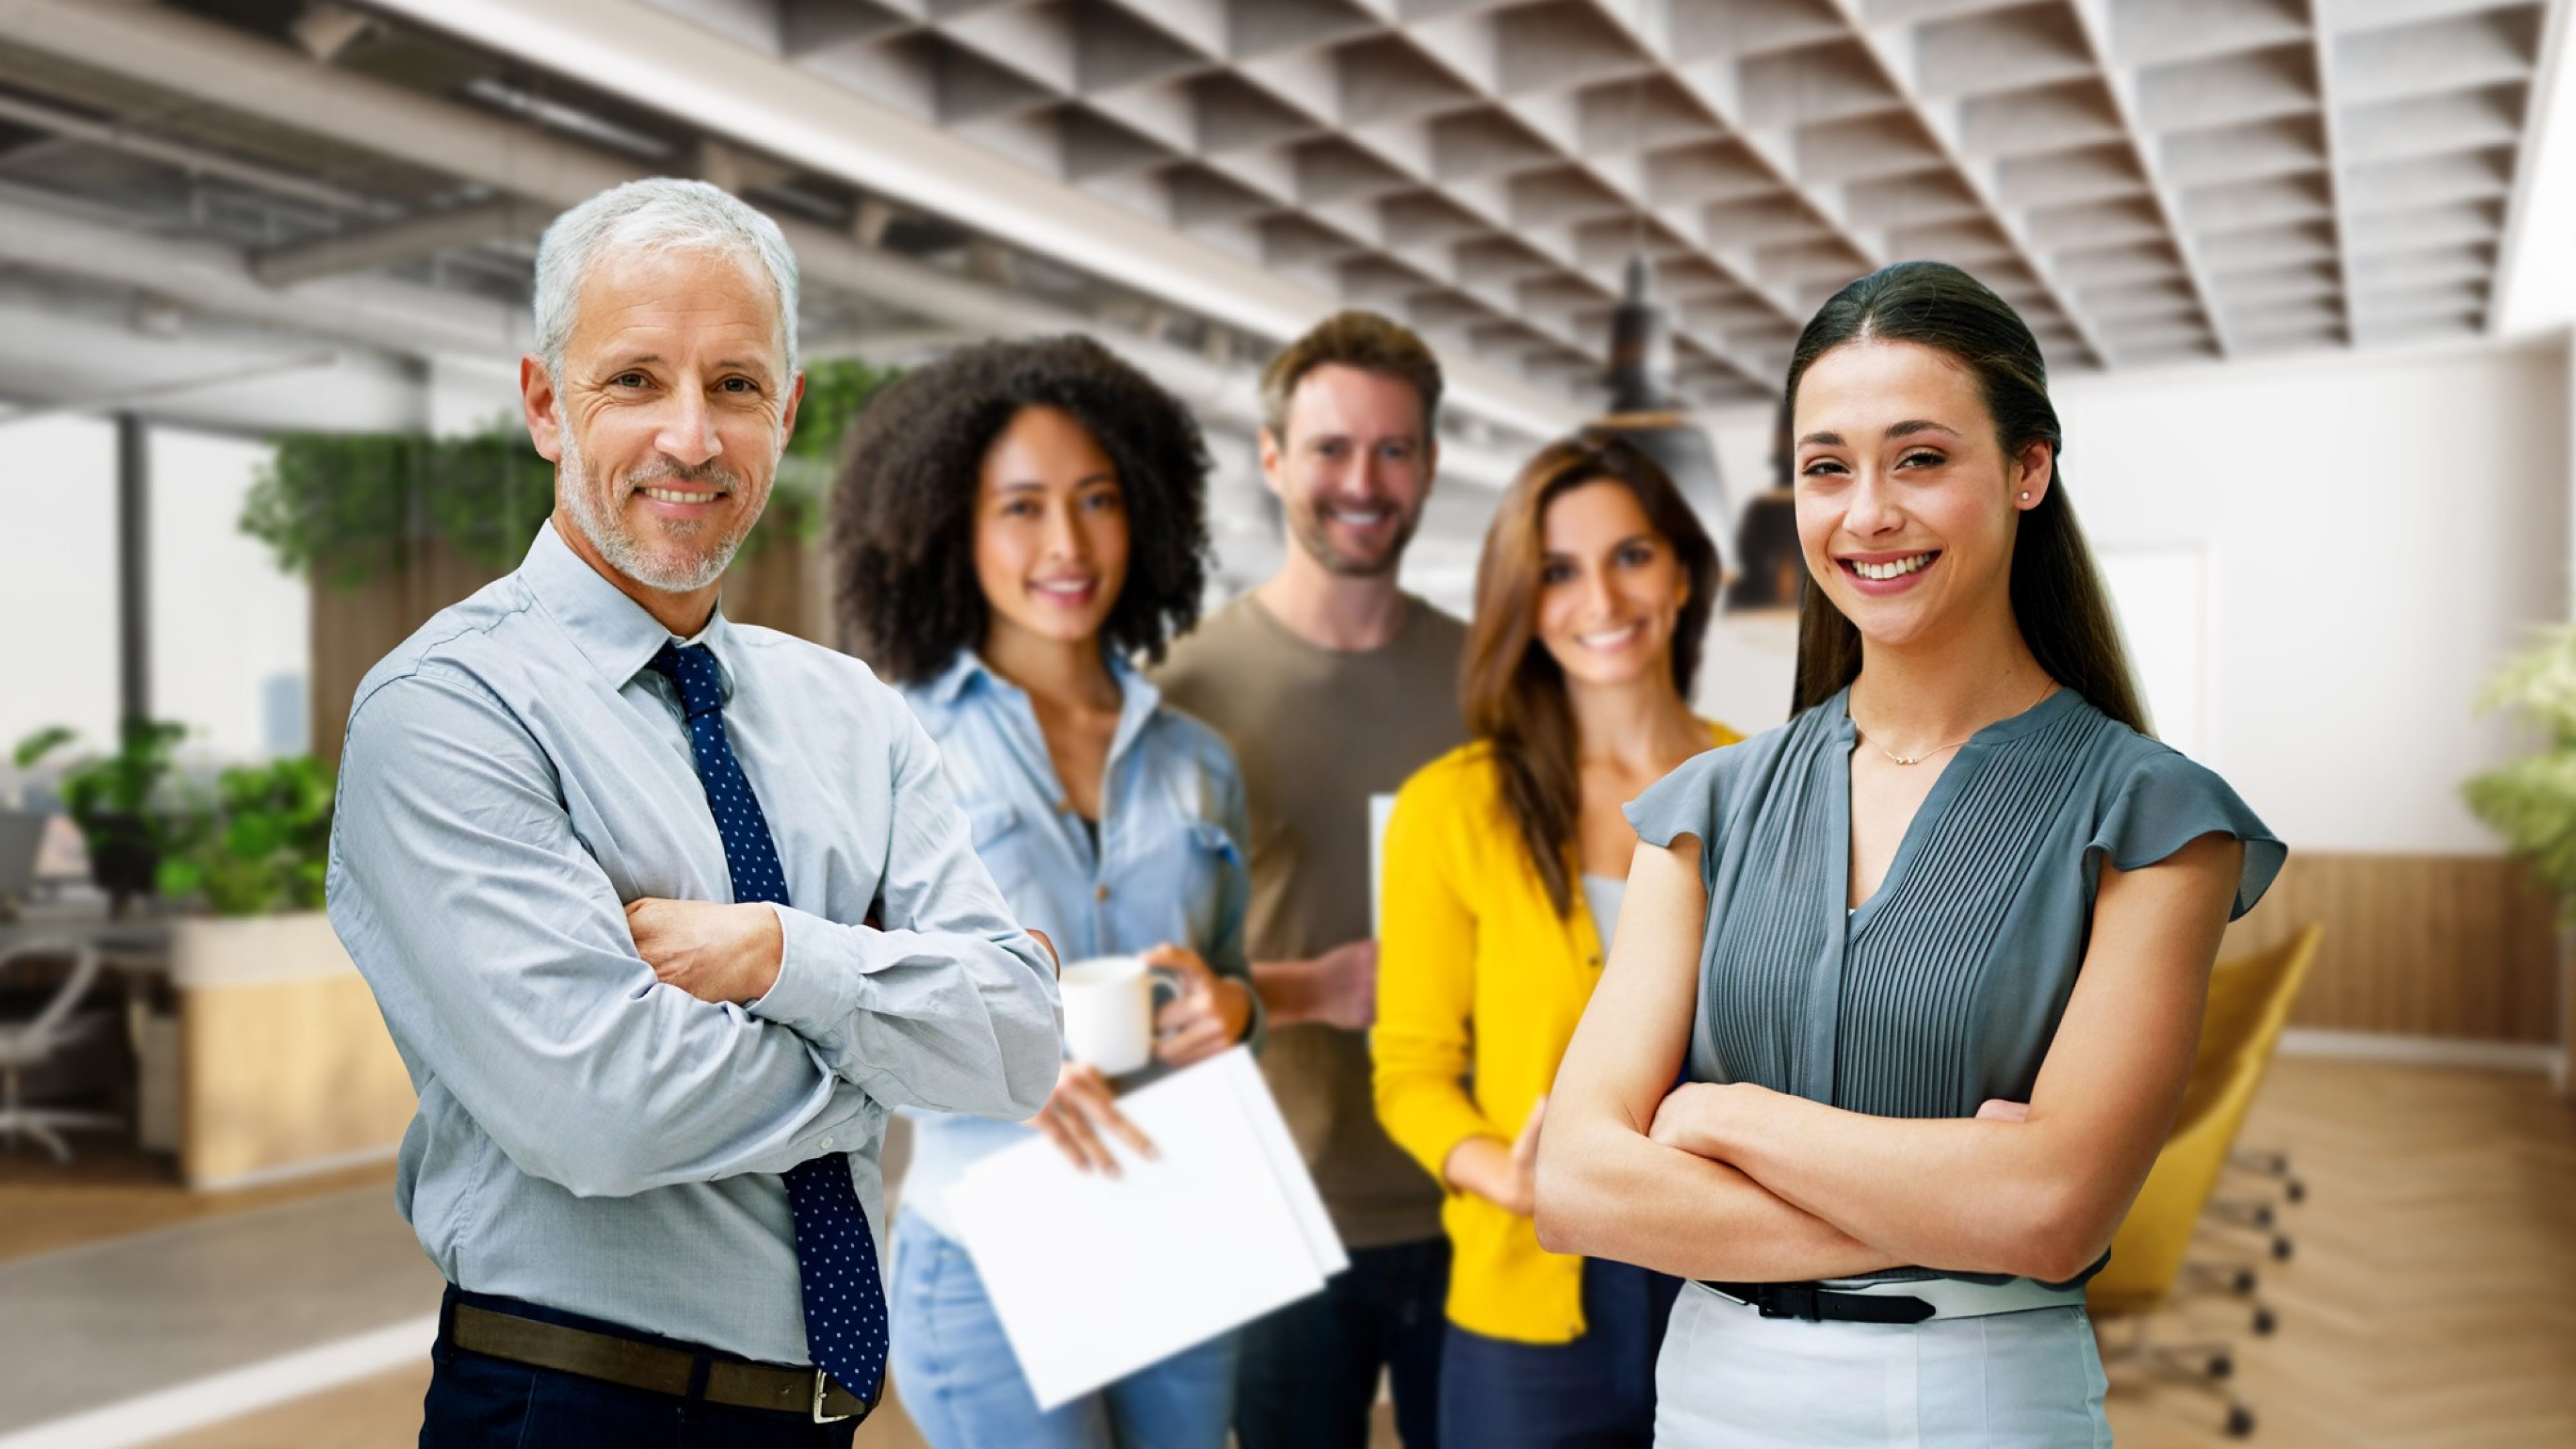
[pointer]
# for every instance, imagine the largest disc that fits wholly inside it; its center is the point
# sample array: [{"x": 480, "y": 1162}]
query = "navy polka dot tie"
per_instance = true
[{"x": 836, "y": 1257}]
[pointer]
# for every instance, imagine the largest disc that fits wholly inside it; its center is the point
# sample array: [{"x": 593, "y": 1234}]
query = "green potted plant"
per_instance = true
[
  {"x": 251, "y": 848},
  {"x": 257, "y": 845},
  {"x": 2531, "y": 801},
  {"x": 115, "y": 800}
]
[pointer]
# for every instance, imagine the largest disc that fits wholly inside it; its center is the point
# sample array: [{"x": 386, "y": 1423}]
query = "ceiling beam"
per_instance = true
[
  {"x": 398, "y": 242},
  {"x": 220, "y": 66},
  {"x": 64, "y": 126},
  {"x": 373, "y": 312}
]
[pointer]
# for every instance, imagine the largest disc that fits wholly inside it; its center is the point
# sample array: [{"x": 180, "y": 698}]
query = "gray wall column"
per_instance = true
[{"x": 133, "y": 568}]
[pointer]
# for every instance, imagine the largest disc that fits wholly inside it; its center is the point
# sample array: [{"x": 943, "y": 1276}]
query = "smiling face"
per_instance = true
[
  {"x": 1907, "y": 504},
  {"x": 1353, "y": 470},
  {"x": 1050, "y": 528},
  {"x": 1610, "y": 588},
  {"x": 673, "y": 404}
]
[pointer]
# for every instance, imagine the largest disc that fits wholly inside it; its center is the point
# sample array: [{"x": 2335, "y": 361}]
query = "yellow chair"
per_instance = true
[{"x": 2249, "y": 1004}]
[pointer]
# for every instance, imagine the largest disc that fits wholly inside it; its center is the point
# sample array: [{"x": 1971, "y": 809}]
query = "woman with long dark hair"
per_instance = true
[
  {"x": 1504, "y": 865},
  {"x": 1015, "y": 521},
  {"x": 1928, "y": 960}
]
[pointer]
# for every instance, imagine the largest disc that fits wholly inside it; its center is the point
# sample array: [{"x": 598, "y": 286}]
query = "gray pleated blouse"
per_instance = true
[{"x": 1945, "y": 987}]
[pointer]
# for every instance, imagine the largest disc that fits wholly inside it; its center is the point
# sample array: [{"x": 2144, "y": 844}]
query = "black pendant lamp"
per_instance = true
[
  {"x": 1770, "y": 570},
  {"x": 1643, "y": 409}
]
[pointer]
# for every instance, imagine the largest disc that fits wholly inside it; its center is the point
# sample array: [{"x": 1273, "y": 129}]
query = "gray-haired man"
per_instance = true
[{"x": 612, "y": 866}]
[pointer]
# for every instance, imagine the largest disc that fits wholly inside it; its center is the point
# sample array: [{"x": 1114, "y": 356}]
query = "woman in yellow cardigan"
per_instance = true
[{"x": 1504, "y": 863}]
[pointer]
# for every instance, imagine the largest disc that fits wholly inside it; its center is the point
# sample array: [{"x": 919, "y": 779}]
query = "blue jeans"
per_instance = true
[
  {"x": 1597, "y": 1392},
  {"x": 476, "y": 1402},
  {"x": 964, "y": 1390},
  {"x": 1310, "y": 1370}
]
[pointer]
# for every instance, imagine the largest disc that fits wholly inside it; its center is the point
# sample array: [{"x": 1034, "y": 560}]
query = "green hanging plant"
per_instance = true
[
  {"x": 2531, "y": 802},
  {"x": 342, "y": 508}
]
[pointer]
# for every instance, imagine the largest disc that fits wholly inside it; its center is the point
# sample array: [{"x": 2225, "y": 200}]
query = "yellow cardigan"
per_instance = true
[{"x": 1479, "y": 986}]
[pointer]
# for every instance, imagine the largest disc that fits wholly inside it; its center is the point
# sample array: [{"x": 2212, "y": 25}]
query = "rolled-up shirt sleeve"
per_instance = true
[
  {"x": 951, "y": 1006},
  {"x": 499, "y": 952}
]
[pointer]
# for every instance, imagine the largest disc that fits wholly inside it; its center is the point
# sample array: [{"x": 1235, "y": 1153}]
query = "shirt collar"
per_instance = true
[
  {"x": 1138, "y": 698},
  {"x": 950, "y": 684},
  {"x": 612, "y": 631}
]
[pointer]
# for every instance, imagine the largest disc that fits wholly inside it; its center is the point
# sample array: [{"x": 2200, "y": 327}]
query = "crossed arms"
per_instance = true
[
  {"x": 1739, "y": 1184},
  {"x": 506, "y": 966}
]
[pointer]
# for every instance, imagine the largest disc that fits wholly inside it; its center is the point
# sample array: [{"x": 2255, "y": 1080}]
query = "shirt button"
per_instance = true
[
  {"x": 1100, "y": 892},
  {"x": 1064, "y": 806},
  {"x": 827, "y": 1143}
]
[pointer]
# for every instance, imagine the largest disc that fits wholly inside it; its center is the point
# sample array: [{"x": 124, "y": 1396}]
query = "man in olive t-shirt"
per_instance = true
[{"x": 1333, "y": 685}]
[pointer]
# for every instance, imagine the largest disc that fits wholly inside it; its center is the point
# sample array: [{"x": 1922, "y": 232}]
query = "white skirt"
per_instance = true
[{"x": 1732, "y": 1379}]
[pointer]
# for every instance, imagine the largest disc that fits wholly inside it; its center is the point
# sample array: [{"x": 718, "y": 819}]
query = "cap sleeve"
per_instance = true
[
  {"x": 2170, "y": 801},
  {"x": 1684, "y": 802}
]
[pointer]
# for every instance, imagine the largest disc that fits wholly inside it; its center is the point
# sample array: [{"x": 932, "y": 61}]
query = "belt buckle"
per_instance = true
[{"x": 823, "y": 1386}]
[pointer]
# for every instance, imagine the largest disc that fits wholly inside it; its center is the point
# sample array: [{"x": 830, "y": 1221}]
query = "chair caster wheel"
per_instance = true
[
  {"x": 2264, "y": 1322},
  {"x": 2297, "y": 1191},
  {"x": 2240, "y": 1422},
  {"x": 2281, "y": 1250},
  {"x": 2221, "y": 1366}
]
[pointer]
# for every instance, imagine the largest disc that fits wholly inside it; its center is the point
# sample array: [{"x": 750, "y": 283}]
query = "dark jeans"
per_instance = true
[
  {"x": 1310, "y": 1371},
  {"x": 490, "y": 1403},
  {"x": 1597, "y": 1392}
]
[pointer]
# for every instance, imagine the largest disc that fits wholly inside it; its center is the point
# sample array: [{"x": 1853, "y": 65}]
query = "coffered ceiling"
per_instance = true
[{"x": 2146, "y": 180}]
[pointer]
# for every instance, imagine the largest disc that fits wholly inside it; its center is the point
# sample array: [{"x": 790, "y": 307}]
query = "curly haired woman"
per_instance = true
[{"x": 1017, "y": 520}]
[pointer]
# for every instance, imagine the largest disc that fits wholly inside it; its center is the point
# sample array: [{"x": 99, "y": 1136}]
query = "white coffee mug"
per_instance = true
[{"x": 1109, "y": 1004}]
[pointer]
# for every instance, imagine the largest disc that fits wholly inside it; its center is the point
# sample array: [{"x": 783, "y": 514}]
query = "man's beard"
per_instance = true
[
  {"x": 605, "y": 525},
  {"x": 1306, "y": 521}
]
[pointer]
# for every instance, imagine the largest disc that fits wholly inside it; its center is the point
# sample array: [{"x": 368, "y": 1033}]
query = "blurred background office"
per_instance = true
[{"x": 2304, "y": 271}]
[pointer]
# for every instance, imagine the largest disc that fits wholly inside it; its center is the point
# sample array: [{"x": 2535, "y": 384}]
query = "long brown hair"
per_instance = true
[
  {"x": 1511, "y": 688},
  {"x": 2057, "y": 596}
]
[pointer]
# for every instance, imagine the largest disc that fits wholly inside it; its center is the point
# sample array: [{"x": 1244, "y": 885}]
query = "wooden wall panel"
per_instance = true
[
  {"x": 352, "y": 628},
  {"x": 2452, "y": 946}
]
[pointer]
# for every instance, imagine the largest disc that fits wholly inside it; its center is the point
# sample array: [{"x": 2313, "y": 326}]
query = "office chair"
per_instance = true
[
  {"x": 33, "y": 1042},
  {"x": 2249, "y": 1004}
]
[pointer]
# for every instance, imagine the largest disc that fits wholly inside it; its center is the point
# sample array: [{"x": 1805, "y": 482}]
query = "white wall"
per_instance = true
[{"x": 2379, "y": 531}]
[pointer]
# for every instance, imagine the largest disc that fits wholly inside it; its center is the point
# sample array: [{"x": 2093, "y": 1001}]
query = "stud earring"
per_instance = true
[{"x": 2025, "y": 495}]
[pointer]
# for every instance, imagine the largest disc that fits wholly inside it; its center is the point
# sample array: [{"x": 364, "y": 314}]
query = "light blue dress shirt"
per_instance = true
[
  {"x": 588, "y": 1138},
  {"x": 1168, "y": 867}
]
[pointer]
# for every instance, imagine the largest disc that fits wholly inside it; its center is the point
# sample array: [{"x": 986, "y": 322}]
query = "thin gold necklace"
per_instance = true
[{"x": 2046, "y": 686}]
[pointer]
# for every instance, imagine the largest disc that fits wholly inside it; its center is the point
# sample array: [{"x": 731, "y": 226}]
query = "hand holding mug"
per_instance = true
[{"x": 1207, "y": 1015}]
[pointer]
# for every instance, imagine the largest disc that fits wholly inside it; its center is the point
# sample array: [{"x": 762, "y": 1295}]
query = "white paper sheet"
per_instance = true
[
  {"x": 1381, "y": 810},
  {"x": 1095, "y": 1278}
]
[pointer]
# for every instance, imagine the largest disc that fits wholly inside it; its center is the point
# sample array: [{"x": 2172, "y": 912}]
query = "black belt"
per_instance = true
[
  {"x": 713, "y": 1377},
  {"x": 1818, "y": 1305}
]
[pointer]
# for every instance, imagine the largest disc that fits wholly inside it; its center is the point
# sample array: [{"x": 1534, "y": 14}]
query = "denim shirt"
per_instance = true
[{"x": 1169, "y": 866}]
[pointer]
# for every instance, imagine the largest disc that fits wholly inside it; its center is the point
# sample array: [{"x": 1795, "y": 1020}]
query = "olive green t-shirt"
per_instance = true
[{"x": 1317, "y": 732}]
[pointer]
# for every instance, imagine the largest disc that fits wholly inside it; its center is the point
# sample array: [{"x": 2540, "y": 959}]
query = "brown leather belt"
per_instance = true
[{"x": 651, "y": 1367}]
